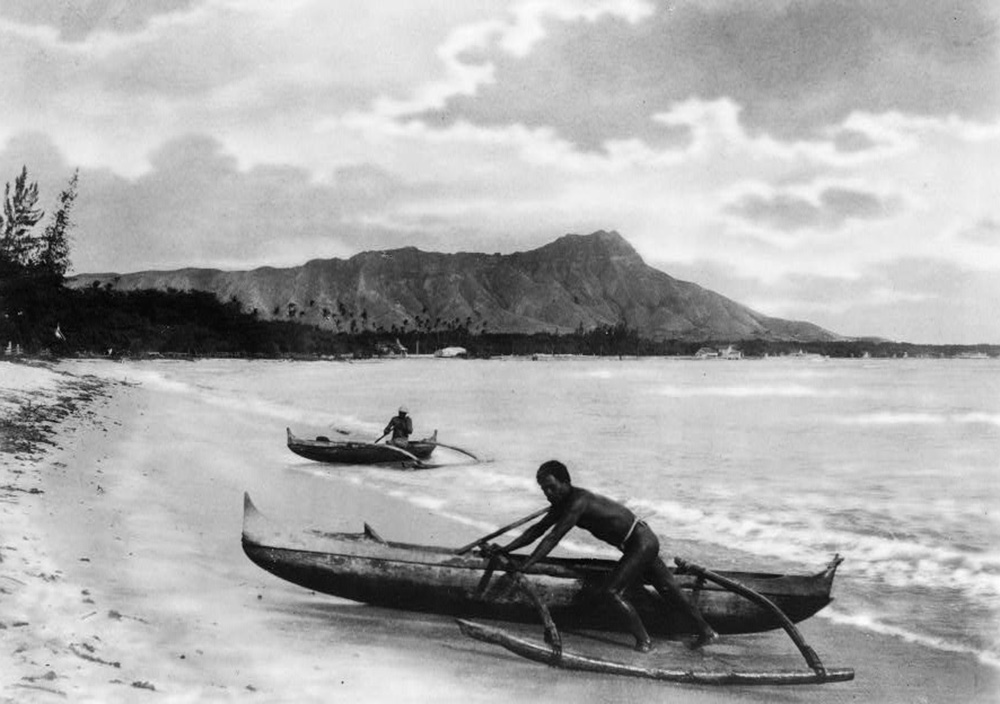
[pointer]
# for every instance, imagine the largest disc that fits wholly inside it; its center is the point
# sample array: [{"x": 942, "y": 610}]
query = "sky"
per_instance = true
[{"x": 834, "y": 161}]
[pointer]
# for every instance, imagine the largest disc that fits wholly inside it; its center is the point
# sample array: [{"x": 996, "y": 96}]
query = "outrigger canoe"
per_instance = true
[
  {"x": 365, "y": 568},
  {"x": 322, "y": 449}
]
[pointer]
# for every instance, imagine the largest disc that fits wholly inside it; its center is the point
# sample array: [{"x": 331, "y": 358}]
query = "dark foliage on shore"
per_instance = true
[
  {"x": 99, "y": 321},
  {"x": 616, "y": 341},
  {"x": 45, "y": 317},
  {"x": 40, "y": 316}
]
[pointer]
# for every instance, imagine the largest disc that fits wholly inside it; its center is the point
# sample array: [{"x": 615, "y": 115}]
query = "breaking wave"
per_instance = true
[
  {"x": 870, "y": 622},
  {"x": 889, "y": 418},
  {"x": 779, "y": 390}
]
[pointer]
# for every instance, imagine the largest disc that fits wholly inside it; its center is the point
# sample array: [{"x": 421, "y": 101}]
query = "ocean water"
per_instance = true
[{"x": 772, "y": 465}]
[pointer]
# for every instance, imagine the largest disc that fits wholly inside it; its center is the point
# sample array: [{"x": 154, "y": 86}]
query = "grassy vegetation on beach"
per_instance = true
[{"x": 32, "y": 424}]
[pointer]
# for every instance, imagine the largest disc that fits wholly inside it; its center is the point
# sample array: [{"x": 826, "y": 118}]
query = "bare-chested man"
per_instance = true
[
  {"x": 401, "y": 427},
  {"x": 613, "y": 523}
]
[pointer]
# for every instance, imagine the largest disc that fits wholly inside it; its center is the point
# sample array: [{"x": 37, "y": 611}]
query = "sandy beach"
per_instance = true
[{"x": 122, "y": 577}]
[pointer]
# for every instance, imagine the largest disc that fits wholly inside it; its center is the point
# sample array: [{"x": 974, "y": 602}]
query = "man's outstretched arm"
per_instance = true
[
  {"x": 561, "y": 527},
  {"x": 531, "y": 534}
]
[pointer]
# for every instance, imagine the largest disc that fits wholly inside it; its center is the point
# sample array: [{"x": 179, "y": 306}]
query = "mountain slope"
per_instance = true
[{"x": 577, "y": 280}]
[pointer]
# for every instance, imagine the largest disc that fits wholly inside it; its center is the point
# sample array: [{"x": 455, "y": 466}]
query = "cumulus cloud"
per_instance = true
[
  {"x": 832, "y": 207},
  {"x": 77, "y": 20},
  {"x": 984, "y": 232},
  {"x": 196, "y": 207},
  {"x": 851, "y": 141},
  {"x": 797, "y": 67},
  {"x": 35, "y": 151},
  {"x": 259, "y": 76}
]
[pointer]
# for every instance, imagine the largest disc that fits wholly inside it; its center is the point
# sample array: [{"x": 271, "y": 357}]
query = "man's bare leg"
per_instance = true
[
  {"x": 626, "y": 572},
  {"x": 643, "y": 643},
  {"x": 665, "y": 584}
]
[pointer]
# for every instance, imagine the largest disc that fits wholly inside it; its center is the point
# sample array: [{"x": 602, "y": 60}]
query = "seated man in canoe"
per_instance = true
[
  {"x": 401, "y": 426},
  {"x": 616, "y": 525}
]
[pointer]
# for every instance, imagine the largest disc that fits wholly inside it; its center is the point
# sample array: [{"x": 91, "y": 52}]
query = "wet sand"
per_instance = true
[{"x": 122, "y": 577}]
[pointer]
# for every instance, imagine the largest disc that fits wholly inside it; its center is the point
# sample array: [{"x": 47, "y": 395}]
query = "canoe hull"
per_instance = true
[
  {"x": 350, "y": 452},
  {"x": 427, "y": 579}
]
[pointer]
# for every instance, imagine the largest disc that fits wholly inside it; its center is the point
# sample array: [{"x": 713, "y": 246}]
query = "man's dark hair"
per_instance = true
[{"x": 554, "y": 468}]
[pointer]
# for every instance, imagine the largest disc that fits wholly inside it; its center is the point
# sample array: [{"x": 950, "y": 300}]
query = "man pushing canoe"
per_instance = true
[{"x": 616, "y": 525}]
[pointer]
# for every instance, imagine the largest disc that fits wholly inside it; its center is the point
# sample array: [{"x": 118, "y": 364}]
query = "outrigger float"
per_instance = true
[
  {"x": 553, "y": 654},
  {"x": 365, "y": 568}
]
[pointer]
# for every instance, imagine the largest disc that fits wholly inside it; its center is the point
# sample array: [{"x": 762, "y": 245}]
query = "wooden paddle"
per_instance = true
[
  {"x": 377, "y": 441},
  {"x": 500, "y": 531},
  {"x": 404, "y": 453},
  {"x": 457, "y": 449}
]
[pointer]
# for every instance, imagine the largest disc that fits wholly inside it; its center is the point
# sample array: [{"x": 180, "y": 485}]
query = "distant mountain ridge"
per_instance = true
[{"x": 574, "y": 282}]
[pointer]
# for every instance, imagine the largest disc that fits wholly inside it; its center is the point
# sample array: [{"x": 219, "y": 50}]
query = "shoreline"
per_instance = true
[
  {"x": 123, "y": 579},
  {"x": 961, "y": 352}
]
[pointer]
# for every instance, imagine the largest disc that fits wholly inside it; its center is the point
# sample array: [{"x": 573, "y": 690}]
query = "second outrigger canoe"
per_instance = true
[
  {"x": 322, "y": 449},
  {"x": 365, "y": 568}
]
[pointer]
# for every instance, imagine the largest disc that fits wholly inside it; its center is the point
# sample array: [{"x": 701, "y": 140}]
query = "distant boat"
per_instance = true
[
  {"x": 322, "y": 449},
  {"x": 807, "y": 355},
  {"x": 394, "y": 349},
  {"x": 729, "y": 352},
  {"x": 450, "y": 352},
  {"x": 972, "y": 355}
]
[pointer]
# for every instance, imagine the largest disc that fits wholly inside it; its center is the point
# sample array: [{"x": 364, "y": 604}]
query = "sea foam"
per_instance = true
[
  {"x": 915, "y": 418},
  {"x": 871, "y": 622},
  {"x": 806, "y": 538},
  {"x": 756, "y": 391}
]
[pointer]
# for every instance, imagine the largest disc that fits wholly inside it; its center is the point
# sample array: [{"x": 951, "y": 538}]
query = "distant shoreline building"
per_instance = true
[
  {"x": 451, "y": 352},
  {"x": 729, "y": 352}
]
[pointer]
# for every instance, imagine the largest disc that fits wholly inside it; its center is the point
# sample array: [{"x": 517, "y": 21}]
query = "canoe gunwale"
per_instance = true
[
  {"x": 255, "y": 530},
  {"x": 559, "y": 567}
]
